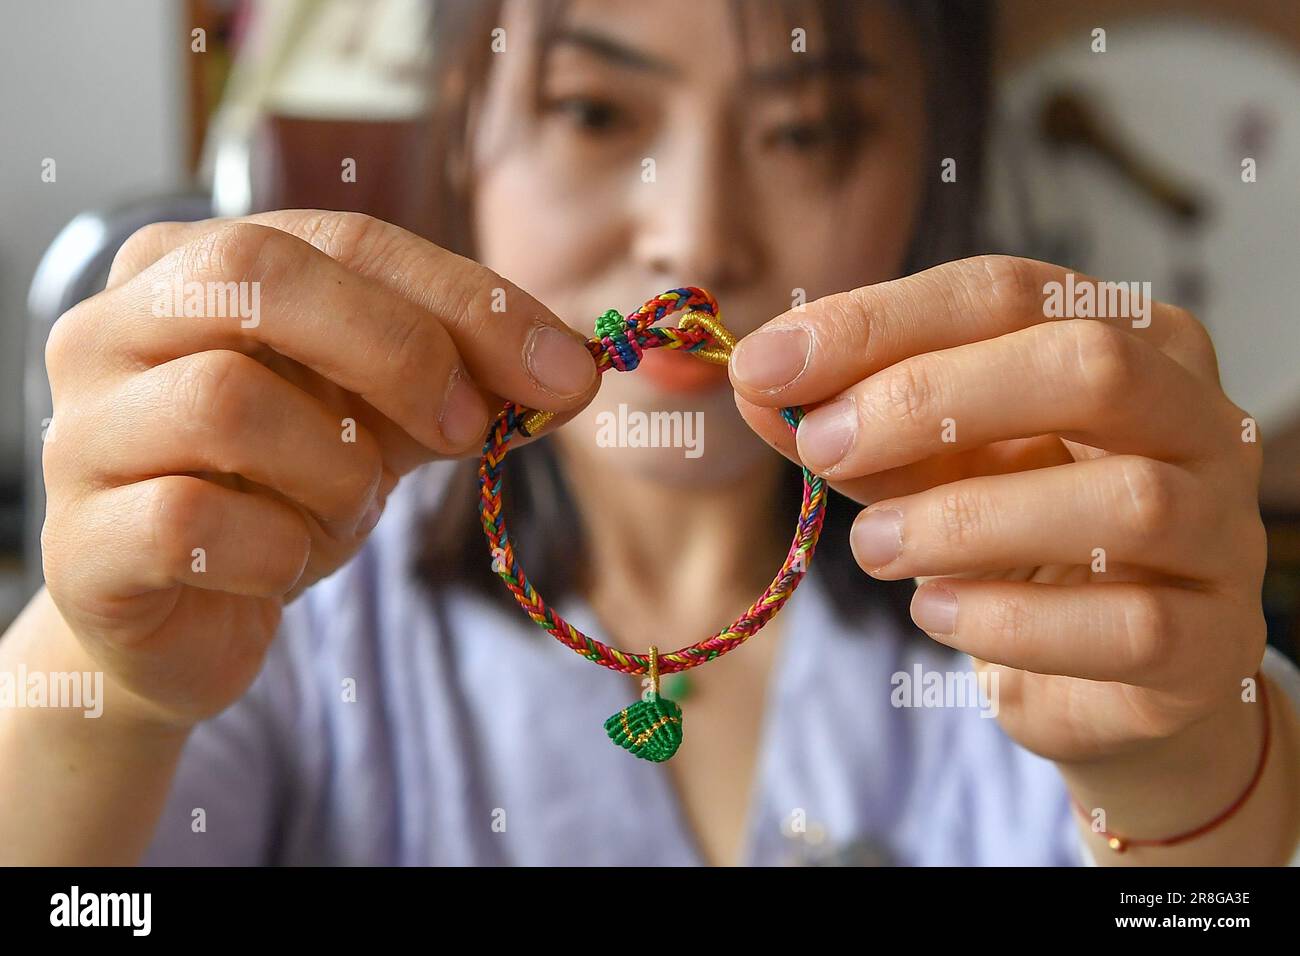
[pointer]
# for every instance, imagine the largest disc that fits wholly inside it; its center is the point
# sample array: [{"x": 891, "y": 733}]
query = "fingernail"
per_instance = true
[
  {"x": 558, "y": 362},
  {"x": 877, "y": 537},
  {"x": 826, "y": 434},
  {"x": 464, "y": 416},
  {"x": 934, "y": 609},
  {"x": 771, "y": 359},
  {"x": 370, "y": 518}
]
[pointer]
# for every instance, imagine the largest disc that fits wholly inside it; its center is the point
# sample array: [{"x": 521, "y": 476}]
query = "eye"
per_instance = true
[
  {"x": 800, "y": 136},
  {"x": 588, "y": 113},
  {"x": 811, "y": 135}
]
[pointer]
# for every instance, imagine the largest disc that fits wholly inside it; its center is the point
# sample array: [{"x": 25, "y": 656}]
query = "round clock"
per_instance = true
[{"x": 1172, "y": 157}]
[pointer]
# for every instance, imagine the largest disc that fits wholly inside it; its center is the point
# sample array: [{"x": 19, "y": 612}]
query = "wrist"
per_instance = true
[
  {"x": 41, "y": 642},
  {"x": 1215, "y": 791},
  {"x": 82, "y": 784}
]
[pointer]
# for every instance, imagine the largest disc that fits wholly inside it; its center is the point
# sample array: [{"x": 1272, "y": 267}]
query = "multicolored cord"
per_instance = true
[{"x": 619, "y": 344}]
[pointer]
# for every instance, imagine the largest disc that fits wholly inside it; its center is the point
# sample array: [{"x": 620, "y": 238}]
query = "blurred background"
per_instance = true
[{"x": 1127, "y": 165}]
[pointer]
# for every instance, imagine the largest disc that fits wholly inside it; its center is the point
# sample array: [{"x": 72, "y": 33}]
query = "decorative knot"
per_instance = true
[
  {"x": 624, "y": 351},
  {"x": 720, "y": 342}
]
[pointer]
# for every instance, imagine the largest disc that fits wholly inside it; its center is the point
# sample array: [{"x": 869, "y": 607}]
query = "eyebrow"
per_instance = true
[
  {"x": 607, "y": 48},
  {"x": 783, "y": 74}
]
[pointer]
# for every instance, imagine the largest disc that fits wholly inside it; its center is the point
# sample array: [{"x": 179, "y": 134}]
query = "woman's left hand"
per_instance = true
[{"x": 1084, "y": 488}]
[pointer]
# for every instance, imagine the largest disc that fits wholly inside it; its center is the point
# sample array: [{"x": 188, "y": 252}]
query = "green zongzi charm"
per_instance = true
[{"x": 652, "y": 727}]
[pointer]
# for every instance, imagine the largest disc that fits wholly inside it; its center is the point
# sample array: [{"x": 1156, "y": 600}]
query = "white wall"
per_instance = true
[{"x": 97, "y": 85}]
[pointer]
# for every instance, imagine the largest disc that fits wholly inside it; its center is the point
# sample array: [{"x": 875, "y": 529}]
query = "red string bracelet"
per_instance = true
[
  {"x": 652, "y": 727},
  {"x": 1121, "y": 843}
]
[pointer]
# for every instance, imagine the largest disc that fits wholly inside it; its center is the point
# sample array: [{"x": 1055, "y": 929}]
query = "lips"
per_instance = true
[{"x": 674, "y": 370}]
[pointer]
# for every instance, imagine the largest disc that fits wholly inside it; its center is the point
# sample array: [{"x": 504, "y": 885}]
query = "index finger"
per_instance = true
[
  {"x": 493, "y": 323},
  {"x": 816, "y": 351},
  {"x": 512, "y": 344},
  {"x": 509, "y": 343}
]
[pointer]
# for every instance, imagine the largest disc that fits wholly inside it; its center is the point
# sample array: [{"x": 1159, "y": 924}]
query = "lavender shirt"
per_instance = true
[{"x": 387, "y": 728}]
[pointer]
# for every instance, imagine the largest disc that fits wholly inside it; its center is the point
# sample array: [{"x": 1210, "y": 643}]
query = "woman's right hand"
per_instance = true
[{"x": 201, "y": 471}]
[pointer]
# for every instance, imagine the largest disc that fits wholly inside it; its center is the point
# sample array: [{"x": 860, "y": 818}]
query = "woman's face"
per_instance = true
[{"x": 666, "y": 154}]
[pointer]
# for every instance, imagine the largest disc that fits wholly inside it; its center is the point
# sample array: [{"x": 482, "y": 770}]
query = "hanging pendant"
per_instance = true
[{"x": 652, "y": 727}]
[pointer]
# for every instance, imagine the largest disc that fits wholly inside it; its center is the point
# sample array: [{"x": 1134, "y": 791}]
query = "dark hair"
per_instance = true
[{"x": 955, "y": 37}]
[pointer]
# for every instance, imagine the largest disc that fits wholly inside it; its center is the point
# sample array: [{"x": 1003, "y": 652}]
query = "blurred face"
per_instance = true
[{"x": 667, "y": 152}]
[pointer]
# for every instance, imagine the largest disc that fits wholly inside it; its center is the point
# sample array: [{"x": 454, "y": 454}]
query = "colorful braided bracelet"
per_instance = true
[{"x": 651, "y": 728}]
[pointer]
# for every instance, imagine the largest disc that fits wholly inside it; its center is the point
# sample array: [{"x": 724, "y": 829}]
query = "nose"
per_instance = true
[{"x": 693, "y": 224}]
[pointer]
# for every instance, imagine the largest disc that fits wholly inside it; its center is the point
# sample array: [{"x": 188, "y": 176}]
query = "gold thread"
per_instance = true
[
  {"x": 640, "y": 739},
  {"x": 717, "y": 354},
  {"x": 536, "y": 420}
]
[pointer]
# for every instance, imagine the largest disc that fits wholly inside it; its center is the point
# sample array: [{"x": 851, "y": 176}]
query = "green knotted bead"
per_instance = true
[
  {"x": 611, "y": 323},
  {"x": 649, "y": 729}
]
